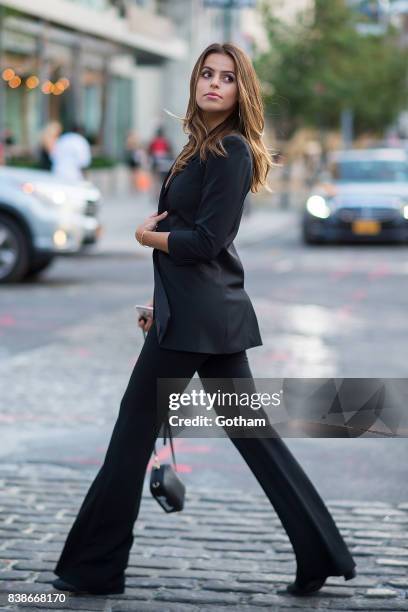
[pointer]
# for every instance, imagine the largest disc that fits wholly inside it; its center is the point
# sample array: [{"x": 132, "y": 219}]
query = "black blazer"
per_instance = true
[{"x": 199, "y": 302}]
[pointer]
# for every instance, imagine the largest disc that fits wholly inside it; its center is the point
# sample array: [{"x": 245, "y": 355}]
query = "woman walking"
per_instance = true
[{"x": 203, "y": 321}]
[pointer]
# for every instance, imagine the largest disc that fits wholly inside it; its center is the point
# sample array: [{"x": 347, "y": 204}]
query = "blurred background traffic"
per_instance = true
[{"x": 89, "y": 90}]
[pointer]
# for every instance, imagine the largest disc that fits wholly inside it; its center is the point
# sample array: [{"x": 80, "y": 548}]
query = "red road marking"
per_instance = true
[
  {"x": 82, "y": 351},
  {"x": 341, "y": 273},
  {"x": 165, "y": 452},
  {"x": 379, "y": 271},
  {"x": 133, "y": 360},
  {"x": 184, "y": 468},
  {"x": 359, "y": 294},
  {"x": 7, "y": 418},
  {"x": 345, "y": 311},
  {"x": 276, "y": 356},
  {"x": 7, "y": 320},
  {"x": 179, "y": 445},
  {"x": 194, "y": 449}
]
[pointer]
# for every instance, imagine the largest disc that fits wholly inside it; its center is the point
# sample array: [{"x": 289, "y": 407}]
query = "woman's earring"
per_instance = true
[{"x": 239, "y": 113}]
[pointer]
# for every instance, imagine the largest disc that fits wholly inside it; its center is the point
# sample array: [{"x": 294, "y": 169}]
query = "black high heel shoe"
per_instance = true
[
  {"x": 61, "y": 585},
  {"x": 311, "y": 586}
]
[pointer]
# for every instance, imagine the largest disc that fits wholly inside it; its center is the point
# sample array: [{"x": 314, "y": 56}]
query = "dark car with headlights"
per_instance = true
[{"x": 362, "y": 196}]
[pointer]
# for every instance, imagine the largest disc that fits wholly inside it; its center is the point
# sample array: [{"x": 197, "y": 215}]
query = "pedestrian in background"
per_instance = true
[
  {"x": 7, "y": 140},
  {"x": 161, "y": 156},
  {"x": 203, "y": 321},
  {"x": 71, "y": 154},
  {"x": 138, "y": 162},
  {"x": 312, "y": 158},
  {"x": 48, "y": 138}
]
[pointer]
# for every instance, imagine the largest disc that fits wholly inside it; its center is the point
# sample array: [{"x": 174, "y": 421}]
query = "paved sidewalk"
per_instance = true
[
  {"x": 121, "y": 215},
  {"x": 225, "y": 551}
]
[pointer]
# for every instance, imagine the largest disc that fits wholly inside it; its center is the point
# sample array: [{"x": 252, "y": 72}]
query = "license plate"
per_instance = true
[{"x": 366, "y": 226}]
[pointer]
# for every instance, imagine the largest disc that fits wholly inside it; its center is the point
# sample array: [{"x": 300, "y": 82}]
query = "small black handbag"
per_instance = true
[{"x": 165, "y": 486}]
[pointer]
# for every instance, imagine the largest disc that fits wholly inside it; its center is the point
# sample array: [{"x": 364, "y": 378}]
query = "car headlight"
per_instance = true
[
  {"x": 405, "y": 211},
  {"x": 49, "y": 194},
  {"x": 317, "y": 206}
]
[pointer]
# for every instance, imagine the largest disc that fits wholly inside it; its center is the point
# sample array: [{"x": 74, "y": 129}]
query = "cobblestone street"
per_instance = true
[{"x": 224, "y": 551}]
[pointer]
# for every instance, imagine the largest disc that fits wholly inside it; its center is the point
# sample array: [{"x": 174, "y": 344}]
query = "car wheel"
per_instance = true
[
  {"x": 308, "y": 239},
  {"x": 39, "y": 265},
  {"x": 14, "y": 251}
]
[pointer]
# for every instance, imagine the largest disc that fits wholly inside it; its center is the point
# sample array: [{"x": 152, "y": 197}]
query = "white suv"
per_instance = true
[{"x": 41, "y": 217}]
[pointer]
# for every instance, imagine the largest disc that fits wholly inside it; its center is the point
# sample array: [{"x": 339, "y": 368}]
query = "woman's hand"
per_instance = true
[
  {"x": 146, "y": 324},
  {"x": 149, "y": 224}
]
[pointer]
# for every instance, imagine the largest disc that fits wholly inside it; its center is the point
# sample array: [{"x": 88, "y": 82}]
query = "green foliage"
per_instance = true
[
  {"x": 6, "y": 11},
  {"x": 321, "y": 64},
  {"x": 101, "y": 162},
  {"x": 98, "y": 162},
  {"x": 23, "y": 162}
]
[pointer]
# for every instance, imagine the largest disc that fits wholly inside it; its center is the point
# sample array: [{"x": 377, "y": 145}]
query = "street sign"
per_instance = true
[{"x": 230, "y": 3}]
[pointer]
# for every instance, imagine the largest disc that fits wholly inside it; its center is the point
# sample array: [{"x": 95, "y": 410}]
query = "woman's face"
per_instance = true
[{"x": 217, "y": 77}]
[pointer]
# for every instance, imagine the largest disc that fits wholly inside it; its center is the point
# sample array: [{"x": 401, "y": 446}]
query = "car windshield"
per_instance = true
[{"x": 374, "y": 171}]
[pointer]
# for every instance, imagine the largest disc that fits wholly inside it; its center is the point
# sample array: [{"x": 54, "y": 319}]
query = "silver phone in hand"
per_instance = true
[{"x": 144, "y": 311}]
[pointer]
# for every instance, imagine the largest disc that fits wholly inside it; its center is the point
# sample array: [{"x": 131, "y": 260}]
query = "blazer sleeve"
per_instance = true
[{"x": 226, "y": 182}]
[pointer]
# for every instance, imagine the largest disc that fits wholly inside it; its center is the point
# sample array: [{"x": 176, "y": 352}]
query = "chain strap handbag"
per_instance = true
[{"x": 165, "y": 485}]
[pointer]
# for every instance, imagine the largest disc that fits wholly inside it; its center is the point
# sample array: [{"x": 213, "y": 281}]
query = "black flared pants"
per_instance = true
[{"x": 96, "y": 551}]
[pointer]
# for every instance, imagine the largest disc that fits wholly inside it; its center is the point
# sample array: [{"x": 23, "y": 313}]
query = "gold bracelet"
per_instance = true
[{"x": 141, "y": 239}]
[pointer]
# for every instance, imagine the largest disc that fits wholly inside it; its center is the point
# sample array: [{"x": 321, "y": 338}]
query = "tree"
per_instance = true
[{"x": 321, "y": 65}]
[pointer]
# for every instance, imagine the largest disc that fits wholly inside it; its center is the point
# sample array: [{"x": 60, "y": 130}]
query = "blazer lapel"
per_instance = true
[{"x": 164, "y": 189}]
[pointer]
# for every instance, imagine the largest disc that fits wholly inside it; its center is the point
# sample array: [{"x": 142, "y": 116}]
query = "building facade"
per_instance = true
[{"x": 82, "y": 61}]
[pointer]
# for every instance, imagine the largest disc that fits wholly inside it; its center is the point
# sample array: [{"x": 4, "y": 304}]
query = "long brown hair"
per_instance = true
[{"x": 247, "y": 118}]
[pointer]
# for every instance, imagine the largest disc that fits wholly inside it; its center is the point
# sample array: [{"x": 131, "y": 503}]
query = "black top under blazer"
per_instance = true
[{"x": 199, "y": 301}]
